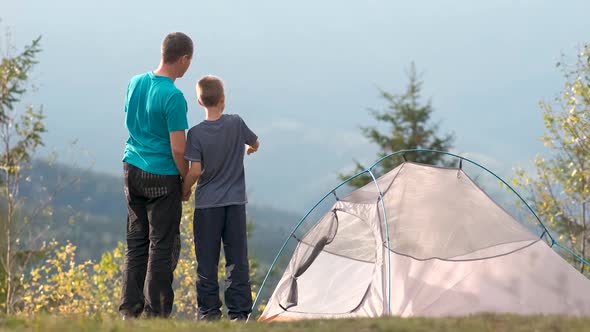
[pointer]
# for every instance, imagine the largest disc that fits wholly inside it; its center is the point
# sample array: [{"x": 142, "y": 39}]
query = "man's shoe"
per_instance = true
[
  {"x": 238, "y": 318},
  {"x": 209, "y": 316},
  {"x": 128, "y": 316}
]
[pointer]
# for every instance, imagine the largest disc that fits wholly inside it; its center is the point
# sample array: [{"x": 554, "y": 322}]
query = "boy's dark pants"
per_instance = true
[
  {"x": 211, "y": 226},
  {"x": 154, "y": 205}
]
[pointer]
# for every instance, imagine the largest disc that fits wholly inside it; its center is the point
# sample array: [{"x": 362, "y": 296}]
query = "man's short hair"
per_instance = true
[
  {"x": 175, "y": 46},
  {"x": 210, "y": 89}
]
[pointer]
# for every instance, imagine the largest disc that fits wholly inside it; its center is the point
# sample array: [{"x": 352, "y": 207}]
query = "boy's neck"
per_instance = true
[{"x": 213, "y": 113}]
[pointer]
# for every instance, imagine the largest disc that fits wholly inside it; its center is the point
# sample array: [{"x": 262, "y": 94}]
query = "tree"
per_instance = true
[
  {"x": 20, "y": 136},
  {"x": 559, "y": 188},
  {"x": 410, "y": 127}
]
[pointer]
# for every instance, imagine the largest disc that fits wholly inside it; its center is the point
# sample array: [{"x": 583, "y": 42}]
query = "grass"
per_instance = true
[{"x": 467, "y": 324}]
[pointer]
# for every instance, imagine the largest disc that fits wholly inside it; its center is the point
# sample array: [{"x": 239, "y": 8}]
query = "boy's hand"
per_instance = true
[
  {"x": 186, "y": 195},
  {"x": 191, "y": 178},
  {"x": 253, "y": 148},
  {"x": 250, "y": 150}
]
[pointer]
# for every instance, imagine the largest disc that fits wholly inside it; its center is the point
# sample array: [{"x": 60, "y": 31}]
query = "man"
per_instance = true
[{"x": 154, "y": 166}]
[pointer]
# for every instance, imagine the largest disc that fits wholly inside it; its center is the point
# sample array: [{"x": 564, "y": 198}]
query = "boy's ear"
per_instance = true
[{"x": 200, "y": 102}]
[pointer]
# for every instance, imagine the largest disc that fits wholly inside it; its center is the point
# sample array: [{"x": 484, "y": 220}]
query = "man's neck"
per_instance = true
[
  {"x": 165, "y": 70},
  {"x": 213, "y": 113}
]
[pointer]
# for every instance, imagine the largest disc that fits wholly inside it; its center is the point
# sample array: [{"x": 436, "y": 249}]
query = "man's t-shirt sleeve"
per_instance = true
[
  {"x": 249, "y": 136},
  {"x": 127, "y": 97},
  {"x": 176, "y": 110},
  {"x": 192, "y": 151}
]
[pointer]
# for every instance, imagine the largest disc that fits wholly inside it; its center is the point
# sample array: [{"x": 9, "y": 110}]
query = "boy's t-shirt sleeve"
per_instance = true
[
  {"x": 176, "y": 110},
  {"x": 249, "y": 136},
  {"x": 192, "y": 151}
]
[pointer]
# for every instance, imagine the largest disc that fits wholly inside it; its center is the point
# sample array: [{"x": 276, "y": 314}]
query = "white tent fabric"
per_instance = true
[{"x": 454, "y": 252}]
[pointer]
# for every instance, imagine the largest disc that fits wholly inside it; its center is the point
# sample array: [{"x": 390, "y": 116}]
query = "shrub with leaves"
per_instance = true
[{"x": 60, "y": 285}]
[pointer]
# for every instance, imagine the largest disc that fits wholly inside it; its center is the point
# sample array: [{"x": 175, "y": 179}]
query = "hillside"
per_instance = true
[{"x": 88, "y": 209}]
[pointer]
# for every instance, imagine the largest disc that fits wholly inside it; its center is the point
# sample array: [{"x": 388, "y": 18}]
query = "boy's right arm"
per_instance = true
[
  {"x": 192, "y": 153},
  {"x": 191, "y": 177}
]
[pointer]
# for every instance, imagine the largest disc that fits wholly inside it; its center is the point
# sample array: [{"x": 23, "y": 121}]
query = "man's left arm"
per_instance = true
[
  {"x": 178, "y": 145},
  {"x": 176, "y": 109}
]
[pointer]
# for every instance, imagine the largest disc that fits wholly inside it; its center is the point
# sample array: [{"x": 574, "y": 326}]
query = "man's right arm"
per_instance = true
[{"x": 178, "y": 145}]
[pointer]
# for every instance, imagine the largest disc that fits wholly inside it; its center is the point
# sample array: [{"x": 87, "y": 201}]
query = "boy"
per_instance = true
[{"x": 215, "y": 147}]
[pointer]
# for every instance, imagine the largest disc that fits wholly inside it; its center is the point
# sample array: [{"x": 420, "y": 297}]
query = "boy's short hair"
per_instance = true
[
  {"x": 175, "y": 46},
  {"x": 210, "y": 90}
]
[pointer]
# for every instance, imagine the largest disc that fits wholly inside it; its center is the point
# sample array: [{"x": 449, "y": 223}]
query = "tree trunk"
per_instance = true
[{"x": 584, "y": 239}]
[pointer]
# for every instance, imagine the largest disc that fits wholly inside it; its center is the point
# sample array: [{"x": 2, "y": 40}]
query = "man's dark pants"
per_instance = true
[
  {"x": 154, "y": 204},
  {"x": 211, "y": 227}
]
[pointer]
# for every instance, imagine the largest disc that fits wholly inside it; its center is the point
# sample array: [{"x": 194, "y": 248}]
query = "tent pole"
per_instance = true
[
  {"x": 293, "y": 233},
  {"x": 387, "y": 237},
  {"x": 573, "y": 253}
]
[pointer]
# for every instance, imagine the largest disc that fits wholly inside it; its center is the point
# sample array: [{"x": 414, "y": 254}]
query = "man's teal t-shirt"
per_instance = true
[{"x": 154, "y": 107}]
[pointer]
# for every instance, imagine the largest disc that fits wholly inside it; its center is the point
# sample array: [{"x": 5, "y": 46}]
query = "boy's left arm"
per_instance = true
[
  {"x": 250, "y": 138},
  {"x": 253, "y": 148}
]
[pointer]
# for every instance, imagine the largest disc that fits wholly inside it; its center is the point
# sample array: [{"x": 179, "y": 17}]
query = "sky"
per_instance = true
[{"x": 302, "y": 74}]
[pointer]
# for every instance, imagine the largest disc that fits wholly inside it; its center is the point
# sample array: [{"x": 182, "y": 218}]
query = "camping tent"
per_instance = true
[{"x": 423, "y": 240}]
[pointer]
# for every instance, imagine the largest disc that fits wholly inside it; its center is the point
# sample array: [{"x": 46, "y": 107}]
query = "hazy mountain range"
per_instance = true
[{"x": 88, "y": 209}]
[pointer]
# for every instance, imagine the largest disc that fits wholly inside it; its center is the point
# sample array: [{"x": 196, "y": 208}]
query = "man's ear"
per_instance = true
[{"x": 200, "y": 102}]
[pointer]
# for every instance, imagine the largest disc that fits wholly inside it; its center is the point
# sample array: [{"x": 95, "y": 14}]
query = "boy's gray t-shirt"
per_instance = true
[{"x": 220, "y": 147}]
